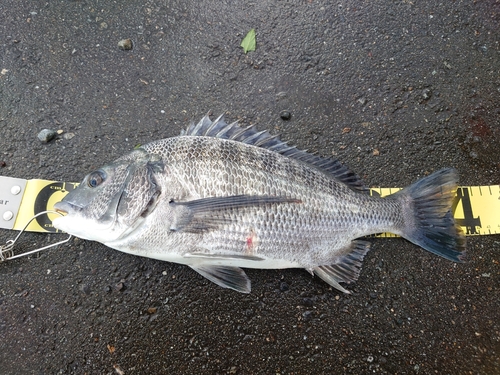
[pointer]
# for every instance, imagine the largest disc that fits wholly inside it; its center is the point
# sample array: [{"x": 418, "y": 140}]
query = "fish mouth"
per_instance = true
[
  {"x": 63, "y": 208},
  {"x": 62, "y": 212}
]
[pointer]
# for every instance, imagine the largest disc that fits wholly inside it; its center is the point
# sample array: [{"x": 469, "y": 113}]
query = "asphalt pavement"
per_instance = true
[{"x": 395, "y": 89}]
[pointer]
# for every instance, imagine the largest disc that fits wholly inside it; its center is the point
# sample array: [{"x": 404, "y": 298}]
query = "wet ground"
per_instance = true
[{"x": 395, "y": 89}]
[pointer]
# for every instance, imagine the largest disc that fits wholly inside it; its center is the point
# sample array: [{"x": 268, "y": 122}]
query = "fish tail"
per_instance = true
[{"x": 428, "y": 218}]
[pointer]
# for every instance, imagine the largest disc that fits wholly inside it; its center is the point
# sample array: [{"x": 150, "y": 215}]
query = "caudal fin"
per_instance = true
[{"x": 428, "y": 218}]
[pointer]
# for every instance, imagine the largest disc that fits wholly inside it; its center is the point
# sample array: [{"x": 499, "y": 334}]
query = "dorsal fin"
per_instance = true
[{"x": 220, "y": 129}]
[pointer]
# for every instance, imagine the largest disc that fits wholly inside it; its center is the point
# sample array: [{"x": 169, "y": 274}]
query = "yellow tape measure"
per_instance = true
[
  {"x": 477, "y": 208},
  {"x": 20, "y": 200}
]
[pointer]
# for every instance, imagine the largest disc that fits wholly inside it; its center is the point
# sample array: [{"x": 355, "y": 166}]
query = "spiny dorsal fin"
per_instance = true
[{"x": 220, "y": 129}]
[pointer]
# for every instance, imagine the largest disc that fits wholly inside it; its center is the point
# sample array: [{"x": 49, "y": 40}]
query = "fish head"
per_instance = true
[{"x": 113, "y": 200}]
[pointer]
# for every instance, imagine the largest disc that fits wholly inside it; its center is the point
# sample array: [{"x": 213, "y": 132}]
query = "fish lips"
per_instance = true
[
  {"x": 66, "y": 211},
  {"x": 65, "y": 208},
  {"x": 74, "y": 222}
]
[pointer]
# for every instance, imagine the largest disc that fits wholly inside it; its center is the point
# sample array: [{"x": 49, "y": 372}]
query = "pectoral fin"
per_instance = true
[
  {"x": 210, "y": 213},
  {"x": 226, "y": 277}
]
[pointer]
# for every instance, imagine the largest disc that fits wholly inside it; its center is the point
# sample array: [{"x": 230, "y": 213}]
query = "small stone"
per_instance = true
[
  {"x": 248, "y": 338},
  {"x": 46, "y": 135},
  {"x": 307, "y": 315},
  {"x": 285, "y": 115},
  {"x": 362, "y": 101},
  {"x": 308, "y": 302},
  {"x": 125, "y": 44},
  {"x": 249, "y": 312},
  {"x": 281, "y": 95},
  {"x": 284, "y": 287},
  {"x": 426, "y": 94},
  {"x": 271, "y": 337},
  {"x": 85, "y": 289}
]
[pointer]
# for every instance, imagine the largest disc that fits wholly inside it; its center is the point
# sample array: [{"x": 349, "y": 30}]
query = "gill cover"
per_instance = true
[
  {"x": 141, "y": 190},
  {"x": 113, "y": 198}
]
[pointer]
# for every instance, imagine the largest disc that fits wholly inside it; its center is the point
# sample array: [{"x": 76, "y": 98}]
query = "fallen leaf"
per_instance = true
[
  {"x": 376, "y": 152},
  {"x": 111, "y": 349},
  {"x": 346, "y": 130},
  {"x": 248, "y": 43}
]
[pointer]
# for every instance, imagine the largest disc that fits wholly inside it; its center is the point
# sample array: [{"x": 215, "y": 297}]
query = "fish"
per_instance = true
[{"x": 221, "y": 197}]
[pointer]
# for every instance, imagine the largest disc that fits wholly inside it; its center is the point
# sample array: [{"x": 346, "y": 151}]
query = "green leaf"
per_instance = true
[{"x": 248, "y": 43}]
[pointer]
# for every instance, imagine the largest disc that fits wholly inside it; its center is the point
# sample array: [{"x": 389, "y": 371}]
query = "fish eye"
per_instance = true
[{"x": 96, "y": 178}]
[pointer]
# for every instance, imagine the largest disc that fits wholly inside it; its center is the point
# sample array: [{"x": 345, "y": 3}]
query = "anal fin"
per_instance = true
[
  {"x": 347, "y": 267},
  {"x": 225, "y": 276}
]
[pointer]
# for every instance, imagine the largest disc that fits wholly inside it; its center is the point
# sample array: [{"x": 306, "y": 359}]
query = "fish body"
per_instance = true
[{"x": 221, "y": 197}]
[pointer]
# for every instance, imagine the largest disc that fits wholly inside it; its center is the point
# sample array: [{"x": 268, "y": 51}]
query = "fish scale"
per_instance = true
[{"x": 221, "y": 197}]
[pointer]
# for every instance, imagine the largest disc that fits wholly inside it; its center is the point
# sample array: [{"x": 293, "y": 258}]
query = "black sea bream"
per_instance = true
[{"x": 220, "y": 197}]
